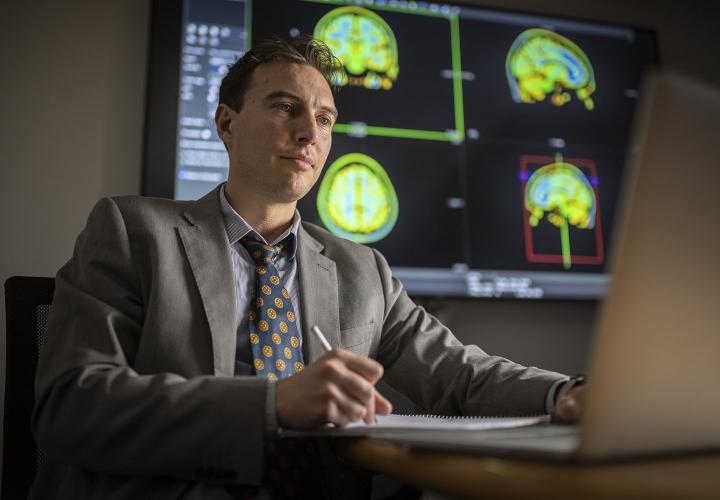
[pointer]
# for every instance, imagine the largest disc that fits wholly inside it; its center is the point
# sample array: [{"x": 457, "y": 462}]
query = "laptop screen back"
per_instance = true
[{"x": 656, "y": 363}]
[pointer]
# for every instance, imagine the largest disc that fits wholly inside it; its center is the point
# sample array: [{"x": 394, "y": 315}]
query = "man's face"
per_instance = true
[{"x": 279, "y": 140}]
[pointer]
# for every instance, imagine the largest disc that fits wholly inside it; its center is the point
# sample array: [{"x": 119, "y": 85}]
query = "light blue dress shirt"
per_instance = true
[{"x": 243, "y": 267}]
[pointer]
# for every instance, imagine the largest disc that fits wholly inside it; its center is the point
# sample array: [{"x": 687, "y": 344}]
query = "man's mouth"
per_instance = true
[{"x": 302, "y": 161}]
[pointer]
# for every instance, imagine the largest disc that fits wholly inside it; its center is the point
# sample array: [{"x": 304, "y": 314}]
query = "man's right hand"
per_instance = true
[{"x": 339, "y": 389}]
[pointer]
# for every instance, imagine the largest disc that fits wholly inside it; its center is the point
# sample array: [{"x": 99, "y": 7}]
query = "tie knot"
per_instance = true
[{"x": 262, "y": 253}]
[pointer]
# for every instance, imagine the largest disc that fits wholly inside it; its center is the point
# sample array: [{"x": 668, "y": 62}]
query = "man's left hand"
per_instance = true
[{"x": 569, "y": 407}]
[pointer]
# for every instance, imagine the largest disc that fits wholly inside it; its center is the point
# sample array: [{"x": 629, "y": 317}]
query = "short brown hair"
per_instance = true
[{"x": 303, "y": 49}]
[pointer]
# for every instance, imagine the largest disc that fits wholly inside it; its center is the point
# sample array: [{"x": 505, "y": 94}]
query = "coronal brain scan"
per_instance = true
[
  {"x": 364, "y": 43},
  {"x": 542, "y": 63},
  {"x": 356, "y": 199}
]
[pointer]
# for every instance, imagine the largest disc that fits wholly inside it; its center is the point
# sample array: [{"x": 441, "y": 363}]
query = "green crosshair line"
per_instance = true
[{"x": 455, "y": 136}]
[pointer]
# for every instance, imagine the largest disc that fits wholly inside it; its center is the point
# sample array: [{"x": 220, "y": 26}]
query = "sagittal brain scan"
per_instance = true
[
  {"x": 356, "y": 199},
  {"x": 541, "y": 62}
]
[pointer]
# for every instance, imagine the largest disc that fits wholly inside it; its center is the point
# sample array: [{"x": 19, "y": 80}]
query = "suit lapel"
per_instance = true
[
  {"x": 208, "y": 252},
  {"x": 318, "y": 296}
]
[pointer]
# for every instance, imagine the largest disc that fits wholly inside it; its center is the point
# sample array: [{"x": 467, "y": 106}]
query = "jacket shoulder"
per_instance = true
[
  {"x": 334, "y": 244},
  {"x": 147, "y": 206},
  {"x": 136, "y": 212}
]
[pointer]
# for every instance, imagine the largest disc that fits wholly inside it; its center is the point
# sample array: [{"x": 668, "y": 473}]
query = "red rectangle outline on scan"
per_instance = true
[{"x": 597, "y": 259}]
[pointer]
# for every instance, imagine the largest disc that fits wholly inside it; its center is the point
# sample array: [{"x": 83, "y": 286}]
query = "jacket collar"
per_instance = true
[
  {"x": 317, "y": 279},
  {"x": 208, "y": 252}
]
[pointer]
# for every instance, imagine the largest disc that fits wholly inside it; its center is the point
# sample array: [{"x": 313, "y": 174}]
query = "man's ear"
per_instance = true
[{"x": 223, "y": 118}]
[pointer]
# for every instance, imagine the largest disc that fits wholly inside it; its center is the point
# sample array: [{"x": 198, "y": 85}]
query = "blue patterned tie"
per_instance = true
[
  {"x": 276, "y": 352},
  {"x": 274, "y": 336},
  {"x": 293, "y": 467}
]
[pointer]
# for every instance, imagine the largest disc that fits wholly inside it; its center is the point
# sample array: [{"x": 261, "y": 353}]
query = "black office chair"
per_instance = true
[{"x": 27, "y": 305}]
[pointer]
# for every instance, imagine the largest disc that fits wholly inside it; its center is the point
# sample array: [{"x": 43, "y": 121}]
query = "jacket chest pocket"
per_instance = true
[{"x": 359, "y": 338}]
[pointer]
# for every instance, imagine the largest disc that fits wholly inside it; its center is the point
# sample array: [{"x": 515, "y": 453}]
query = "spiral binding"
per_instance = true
[{"x": 463, "y": 417}]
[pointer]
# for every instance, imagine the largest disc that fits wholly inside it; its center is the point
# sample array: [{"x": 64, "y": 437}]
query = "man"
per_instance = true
[{"x": 148, "y": 383}]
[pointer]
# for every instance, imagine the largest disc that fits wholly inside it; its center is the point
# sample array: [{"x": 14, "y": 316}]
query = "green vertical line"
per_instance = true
[
  {"x": 565, "y": 243},
  {"x": 459, "y": 134},
  {"x": 457, "y": 77},
  {"x": 248, "y": 24}
]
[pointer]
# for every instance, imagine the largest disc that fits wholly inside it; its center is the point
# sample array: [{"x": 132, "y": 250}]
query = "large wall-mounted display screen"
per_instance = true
[{"x": 481, "y": 151}]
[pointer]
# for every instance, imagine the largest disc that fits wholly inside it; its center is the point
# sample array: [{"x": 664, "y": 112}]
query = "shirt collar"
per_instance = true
[{"x": 237, "y": 227}]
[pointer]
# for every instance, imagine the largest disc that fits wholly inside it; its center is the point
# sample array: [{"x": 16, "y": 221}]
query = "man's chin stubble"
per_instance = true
[{"x": 287, "y": 194}]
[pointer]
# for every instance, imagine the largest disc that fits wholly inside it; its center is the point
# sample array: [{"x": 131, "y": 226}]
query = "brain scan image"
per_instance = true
[
  {"x": 364, "y": 43},
  {"x": 356, "y": 199},
  {"x": 562, "y": 194},
  {"x": 542, "y": 63}
]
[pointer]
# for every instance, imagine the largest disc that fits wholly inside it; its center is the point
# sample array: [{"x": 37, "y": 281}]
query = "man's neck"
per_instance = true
[{"x": 269, "y": 220}]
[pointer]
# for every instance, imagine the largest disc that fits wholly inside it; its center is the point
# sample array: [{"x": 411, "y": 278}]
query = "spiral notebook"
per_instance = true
[{"x": 393, "y": 424}]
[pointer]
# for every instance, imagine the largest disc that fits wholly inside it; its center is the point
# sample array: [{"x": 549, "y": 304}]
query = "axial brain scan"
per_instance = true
[{"x": 356, "y": 199}]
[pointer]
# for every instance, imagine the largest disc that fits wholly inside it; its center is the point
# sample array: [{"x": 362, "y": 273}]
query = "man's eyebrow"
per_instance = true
[
  {"x": 283, "y": 94},
  {"x": 331, "y": 110}
]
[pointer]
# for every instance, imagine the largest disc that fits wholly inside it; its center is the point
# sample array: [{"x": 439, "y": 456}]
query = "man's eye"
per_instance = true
[
  {"x": 325, "y": 121},
  {"x": 284, "y": 107}
]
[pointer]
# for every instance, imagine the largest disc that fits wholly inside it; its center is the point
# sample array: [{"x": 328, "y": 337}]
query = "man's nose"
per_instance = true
[{"x": 306, "y": 129}]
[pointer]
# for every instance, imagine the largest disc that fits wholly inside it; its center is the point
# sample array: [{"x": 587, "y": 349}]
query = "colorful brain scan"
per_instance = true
[
  {"x": 365, "y": 45},
  {"x": 541, "y": 62},
  {"x": 356, "y": 199},
  {"x": 562, "y": 193}
]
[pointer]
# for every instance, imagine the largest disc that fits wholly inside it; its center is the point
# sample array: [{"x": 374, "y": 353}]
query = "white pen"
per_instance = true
[{"x": 323, "y": 340}]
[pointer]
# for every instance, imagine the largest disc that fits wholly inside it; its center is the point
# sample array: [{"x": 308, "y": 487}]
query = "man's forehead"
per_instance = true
[{"x": 301, "y": 80}]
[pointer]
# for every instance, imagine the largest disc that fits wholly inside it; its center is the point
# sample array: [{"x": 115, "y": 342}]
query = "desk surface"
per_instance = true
[{"x": 475, "y": 476}]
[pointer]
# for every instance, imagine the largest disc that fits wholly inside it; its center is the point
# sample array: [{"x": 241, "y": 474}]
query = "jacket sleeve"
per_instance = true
[
  {"x": 424, "y": 361},
  {"x": 95, "y": 412}
]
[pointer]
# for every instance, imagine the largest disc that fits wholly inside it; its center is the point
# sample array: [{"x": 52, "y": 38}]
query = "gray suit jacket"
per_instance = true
[{"x": 136, "y": 396}]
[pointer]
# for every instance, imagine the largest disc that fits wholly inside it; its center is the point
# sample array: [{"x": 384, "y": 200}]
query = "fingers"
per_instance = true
[
  {"x": 340, "y": 409},
  {"x": 569, "y": 407},
  {"x": 310, "y": 399},
  {"x": 370, "y": 415},
  {"x": 368, "y": 368},
  {"x": 356, "y": 376},
  {"x": 351, "y": 384},
  {"x": 339, "y": 388},
  {"x": 382, "y": 405},
  {"x": 365, "y": 393}
]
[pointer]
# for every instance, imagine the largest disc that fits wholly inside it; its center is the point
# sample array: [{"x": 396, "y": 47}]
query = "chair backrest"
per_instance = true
[{"x": 27, "y": 305}]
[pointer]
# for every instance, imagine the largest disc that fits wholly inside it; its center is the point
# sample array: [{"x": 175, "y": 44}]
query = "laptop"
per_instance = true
[{"x": 655, "y": 368}]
